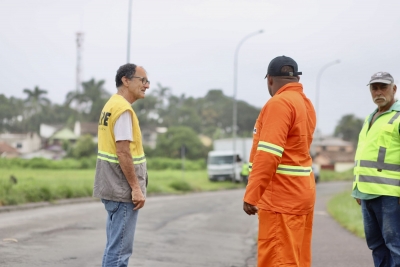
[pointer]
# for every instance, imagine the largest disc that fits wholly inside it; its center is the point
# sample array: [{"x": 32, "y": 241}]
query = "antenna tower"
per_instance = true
[{"x": 79, "y": 43}]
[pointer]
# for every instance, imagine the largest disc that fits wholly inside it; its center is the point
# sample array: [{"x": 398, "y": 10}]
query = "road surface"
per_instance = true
[{"x": 202, "y": 229}]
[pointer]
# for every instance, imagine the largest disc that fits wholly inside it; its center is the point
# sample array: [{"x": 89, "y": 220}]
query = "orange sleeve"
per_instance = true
[{"x": 276, "y": 121}]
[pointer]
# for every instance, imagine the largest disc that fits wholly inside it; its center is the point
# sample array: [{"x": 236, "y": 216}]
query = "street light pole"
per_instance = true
[
  {"x": 129, "y": 32},
  {"x": 318, "y": 83},
  {"x": 235, "y": 71}
]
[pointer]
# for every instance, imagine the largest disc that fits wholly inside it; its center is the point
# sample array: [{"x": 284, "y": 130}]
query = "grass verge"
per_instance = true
[
  {"x": 327, "y": 175},
  {"x": 345, "y": 210},
  {"x": 35, "y": 185}
]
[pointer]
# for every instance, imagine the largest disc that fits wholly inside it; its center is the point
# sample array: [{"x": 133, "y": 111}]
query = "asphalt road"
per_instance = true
[
  {"x": 333, "y": 246},
  {"x": 204, "y": 229}
]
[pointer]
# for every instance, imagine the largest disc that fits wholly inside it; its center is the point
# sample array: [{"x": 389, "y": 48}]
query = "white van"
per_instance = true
[{"x": 224, "y": 165}]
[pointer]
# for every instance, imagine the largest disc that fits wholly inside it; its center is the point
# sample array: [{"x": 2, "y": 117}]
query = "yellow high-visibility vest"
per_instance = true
[
  {"x": 110, "y": 182},
  {"x": 377, "y": 160}
]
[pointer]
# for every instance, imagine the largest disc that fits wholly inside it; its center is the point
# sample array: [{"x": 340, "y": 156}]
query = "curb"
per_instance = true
[{"x": 36, "y": 205}]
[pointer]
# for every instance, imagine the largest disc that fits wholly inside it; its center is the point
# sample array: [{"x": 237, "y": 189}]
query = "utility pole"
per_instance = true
[
  {"x": 318, "y": 126},
  {"x": 128, "y": 47},
  {"x": 79, "y": 43},
  {"x": 234, "y": 112}
]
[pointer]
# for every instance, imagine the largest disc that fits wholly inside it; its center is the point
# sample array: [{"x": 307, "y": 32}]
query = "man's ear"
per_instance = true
[
  {"x": 270, "y": 80},
  {"x": 125, "y": 81},
  {"x": 394, "y": 88},
  {"x": 298, "y": 78}
]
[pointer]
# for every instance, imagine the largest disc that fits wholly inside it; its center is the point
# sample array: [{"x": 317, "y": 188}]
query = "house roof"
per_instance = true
[
  {"x": 64, "y": 134},
  {"x": 336, "y": 156},
  {"x": 6, "y": 148},
  {"x": 89, "y": 128},
  {"x": 332, "y": 141},
  {"x": 47, "y": 130}
]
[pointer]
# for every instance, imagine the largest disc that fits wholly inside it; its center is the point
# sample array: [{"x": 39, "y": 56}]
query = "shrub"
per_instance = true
[
  {"x": 42, "y": 163},
  {"x": 175, "y": 164},
  {"x": 181, "y": 186},
  {"x": 37, "y": 194},
  {"x": 154, "y": 188},
  {"x": 84, "y": 147}
]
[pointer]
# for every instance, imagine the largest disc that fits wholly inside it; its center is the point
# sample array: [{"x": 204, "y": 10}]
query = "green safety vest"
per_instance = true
[
  {"x": 377, "y": 160},
  {"x": 245, "y": 169}
]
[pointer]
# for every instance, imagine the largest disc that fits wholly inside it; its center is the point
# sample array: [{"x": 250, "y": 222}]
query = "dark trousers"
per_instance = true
[{"x": 382, "y": 229}]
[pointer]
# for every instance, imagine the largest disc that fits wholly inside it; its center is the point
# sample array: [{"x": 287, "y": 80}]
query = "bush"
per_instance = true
[
  {"x": 42, "y": 163},
  {"x": 175, "y": 164},
  {"x": 84, "y": 147},
  {"x": 154, "y": 188},
  {"x": 181, "y": 186},
  {"x": 35, "y": 185},
  {"x": 37, "y": 194}
]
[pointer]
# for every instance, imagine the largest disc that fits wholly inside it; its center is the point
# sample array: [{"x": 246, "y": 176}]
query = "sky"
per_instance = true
[{"x": 189, "y": 46}]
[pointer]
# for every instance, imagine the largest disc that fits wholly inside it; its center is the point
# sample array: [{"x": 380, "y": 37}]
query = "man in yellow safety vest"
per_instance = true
[{"x": 376, "y": 185}]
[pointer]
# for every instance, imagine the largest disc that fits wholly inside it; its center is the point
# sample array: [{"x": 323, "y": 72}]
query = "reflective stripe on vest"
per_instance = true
[
  {"x": 379, "y": 180},
  {"x": 114, "y": 158},
  {"x": 380, "y": 165},
  {"x": 270, "y": 148},
  {"x": 294, "y": 170}
]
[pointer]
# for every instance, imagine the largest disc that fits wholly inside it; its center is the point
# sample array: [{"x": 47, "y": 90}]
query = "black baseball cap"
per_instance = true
[{"x": 275, "y": 66}]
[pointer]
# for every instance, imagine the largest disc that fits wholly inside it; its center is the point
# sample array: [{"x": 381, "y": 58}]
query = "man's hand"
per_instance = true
[
  {"x": 249, "y": 209},
  {"x": 358, "y": 201},
  {"x": 137, "y": 198}
]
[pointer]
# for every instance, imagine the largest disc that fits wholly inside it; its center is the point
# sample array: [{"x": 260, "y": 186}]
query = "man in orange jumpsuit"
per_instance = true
[{"x": 281, "y": 186}]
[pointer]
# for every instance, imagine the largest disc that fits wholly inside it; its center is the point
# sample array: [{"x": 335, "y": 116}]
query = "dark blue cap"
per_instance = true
[{"x": 275, "y": 66}]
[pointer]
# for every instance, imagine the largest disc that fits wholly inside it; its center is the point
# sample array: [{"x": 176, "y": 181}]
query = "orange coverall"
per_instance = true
[{"x": 281, "y": 182}]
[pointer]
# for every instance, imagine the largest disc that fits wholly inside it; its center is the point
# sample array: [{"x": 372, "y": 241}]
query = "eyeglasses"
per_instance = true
[{"x": 143, "y": 79}]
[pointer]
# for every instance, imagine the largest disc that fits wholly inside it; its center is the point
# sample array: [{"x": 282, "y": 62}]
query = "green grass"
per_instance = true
[
  {"x": 327, "y": 175},
  {"x": 345, "y": 210},
  {"x": 174, "y": 181},
  {"x": 35, "y": 185}
]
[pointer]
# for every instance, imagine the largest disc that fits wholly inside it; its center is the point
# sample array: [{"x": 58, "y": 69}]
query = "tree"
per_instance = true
[
  {"x": 162, "y": 94},
  {"x": 35, "y": 100},
  {"x": 169, "y": 144},
  {"x": 91, "y": 100},
  {"x": 247, "y": 116},
  {"x": 84, "y": 147},
  {"x": 146, "y": 110},
  {"x": 349, "y": 128},
  {"x": 11, "y": 110},
  {"x": 182, "y": 111}
]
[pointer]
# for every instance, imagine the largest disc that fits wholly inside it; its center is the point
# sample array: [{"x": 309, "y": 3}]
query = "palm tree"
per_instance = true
[
  {"x": 35, "y": 100},
  {"x": 91, "y": 100}
]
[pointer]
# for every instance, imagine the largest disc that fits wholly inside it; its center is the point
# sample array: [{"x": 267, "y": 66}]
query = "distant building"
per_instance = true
[
  {"x": 333, "y": 153},
  {"x": 65, "y": 134},
  {"x": 46, "y": 130},
  {"x": 149, "y": 135},
  {"x": 50, "y": 152},
  {"x": 23, "y": 143},
  {"x": 7, "y": 151},
  {"x": 84, "y": 128}
]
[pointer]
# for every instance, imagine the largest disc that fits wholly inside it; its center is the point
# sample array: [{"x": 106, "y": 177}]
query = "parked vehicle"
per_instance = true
[{"x": 225, "y": 164}]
